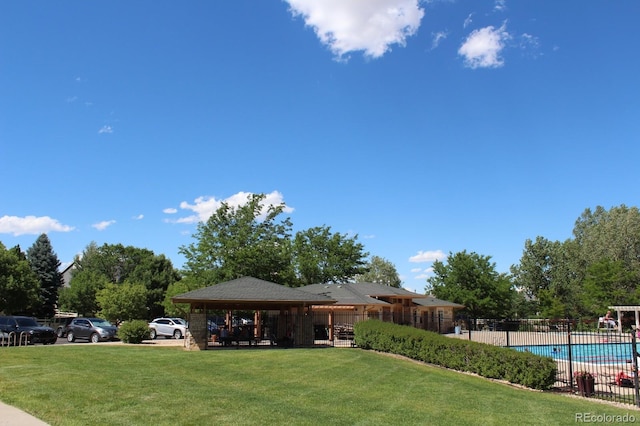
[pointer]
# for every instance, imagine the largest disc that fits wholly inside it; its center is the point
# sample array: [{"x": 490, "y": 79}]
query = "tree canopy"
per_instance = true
[
  {"x": 123, "y": 302},
  {"x": 471, "y": 280},
  {"x": 380, "y": 271},
  {"x": 252, "y": 240},
  {"x": 248, "y": 240},
  {"x": 19, "y": 285},
  {"x": 597, "y": 268},
  {"x": 545, "y": 275},
  {"x": 321, "y": 256},
  {"x": 99, "y": 266}
]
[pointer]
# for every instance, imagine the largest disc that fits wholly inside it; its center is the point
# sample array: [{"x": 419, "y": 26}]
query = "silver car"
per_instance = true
[
  {"x": 168, "y": 327},
  {"x": 92, "y": 329}
]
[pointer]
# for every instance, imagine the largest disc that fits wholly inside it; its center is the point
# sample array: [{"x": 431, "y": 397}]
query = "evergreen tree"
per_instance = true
[{"x": 45, "y": 264}]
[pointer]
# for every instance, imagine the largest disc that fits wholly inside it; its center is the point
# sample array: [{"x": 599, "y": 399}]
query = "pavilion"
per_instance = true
[
  {"x": 627, "y": 308},
  {"x": 252, "y": 294}
]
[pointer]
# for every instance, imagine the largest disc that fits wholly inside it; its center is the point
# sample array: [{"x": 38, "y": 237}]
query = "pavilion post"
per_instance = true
[{"x": 619, "y": 321}]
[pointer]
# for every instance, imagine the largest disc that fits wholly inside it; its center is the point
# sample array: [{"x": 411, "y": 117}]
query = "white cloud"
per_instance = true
[
  {"x": 437, "y": 38},
  {"x": 139, "y": 217},
  {"x": 500, "y": 5},
  {"x": 530, "y": 43},
  {"x": 483, "y": 47},
  {"x": 371, "y": 26},
  {"x": 416, "y": 270},
  {"x": 170, "y": 210},
  {"x": 423, "y": 275},
  {"x": 205, "y": 206},
  {"x": 106, "y": 129},
  {"x": 31, "y": 225},
  {"x": 427, "y": 256},
  {"x": 101, "y": 226},
  {"x": 468, "y": 21}
]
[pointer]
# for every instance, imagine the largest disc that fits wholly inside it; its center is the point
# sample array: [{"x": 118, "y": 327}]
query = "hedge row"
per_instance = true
[
  {"x": 485, "y": 360},
  {"x": 134, "y": 331}
]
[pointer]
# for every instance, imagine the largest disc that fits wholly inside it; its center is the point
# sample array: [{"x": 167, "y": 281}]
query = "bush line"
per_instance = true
[
  {"x": 489, "y": 361},
  {"x": 134, "y": 331}
]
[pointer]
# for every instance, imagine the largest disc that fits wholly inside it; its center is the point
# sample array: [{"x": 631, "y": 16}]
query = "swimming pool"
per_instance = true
[{"x": 595, "y": 353}]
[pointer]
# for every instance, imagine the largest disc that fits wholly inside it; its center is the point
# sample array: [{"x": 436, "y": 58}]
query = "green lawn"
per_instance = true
[{"x": 100, "y": 384}]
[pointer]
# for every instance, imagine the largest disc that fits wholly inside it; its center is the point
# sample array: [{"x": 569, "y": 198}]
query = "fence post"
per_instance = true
[
  {"x": 634, "y": 360},
  {"x": 570, "y": 357}
]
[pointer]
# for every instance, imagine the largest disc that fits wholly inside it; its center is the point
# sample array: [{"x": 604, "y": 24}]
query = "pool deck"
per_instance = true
[
  {"x": 526, "y": 338},
  {"x": 605, "y": 374}
]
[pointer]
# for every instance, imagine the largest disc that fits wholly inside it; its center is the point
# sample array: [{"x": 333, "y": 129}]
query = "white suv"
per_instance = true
[{"x": 168, "y": 327}]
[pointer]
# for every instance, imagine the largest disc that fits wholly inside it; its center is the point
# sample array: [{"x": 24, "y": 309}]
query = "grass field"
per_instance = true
[{"x": 101, "y": 384}]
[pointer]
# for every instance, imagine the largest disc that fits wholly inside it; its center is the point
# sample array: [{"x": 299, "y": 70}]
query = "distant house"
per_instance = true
[
  {"x": 358, "y": 301},
  {"x": 66, "y": 274}
]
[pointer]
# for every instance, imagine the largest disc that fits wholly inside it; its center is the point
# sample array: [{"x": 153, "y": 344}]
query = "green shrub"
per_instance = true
[
  {"x": 485, "y": 360},
  {"x": 134, "y": 331}
]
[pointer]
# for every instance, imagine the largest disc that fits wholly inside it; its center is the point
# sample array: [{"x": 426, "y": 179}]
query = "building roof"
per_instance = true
[
  {"x": 431, "y": 301},
  {"x": 362, "y": 293},
  {"x": 344, "y": 294},
  {"x": 251, "y": 293}
]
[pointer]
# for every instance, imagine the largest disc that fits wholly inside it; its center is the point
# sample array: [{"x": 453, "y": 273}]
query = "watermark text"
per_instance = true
[{"x": 605, "y": 418}]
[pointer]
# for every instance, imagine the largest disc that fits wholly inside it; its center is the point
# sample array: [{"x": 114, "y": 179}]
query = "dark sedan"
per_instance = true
[{"x": 17, "y": 329}]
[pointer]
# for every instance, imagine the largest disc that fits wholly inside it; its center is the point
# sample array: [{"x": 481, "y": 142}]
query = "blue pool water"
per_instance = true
[{"x": 600, "y": 353}]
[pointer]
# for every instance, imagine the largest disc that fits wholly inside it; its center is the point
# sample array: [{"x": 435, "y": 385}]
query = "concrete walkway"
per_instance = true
[{"x": 11, "y": 416}]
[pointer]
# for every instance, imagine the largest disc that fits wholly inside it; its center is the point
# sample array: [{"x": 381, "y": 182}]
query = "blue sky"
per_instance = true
[{"x": 423, "y": 127}]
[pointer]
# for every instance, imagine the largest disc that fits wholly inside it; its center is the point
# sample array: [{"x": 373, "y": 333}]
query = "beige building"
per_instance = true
[{"x": 358, "y": 301}]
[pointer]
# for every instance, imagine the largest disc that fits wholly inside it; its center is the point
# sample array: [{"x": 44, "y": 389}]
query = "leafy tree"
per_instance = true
[
  {"x": 123, "y": 302},
  {"x": 247, "y": 240},
  {"x": 157, "y": 274},
  {"x": 81, "y": 294},
  {"x": 471, "y": 280},
  {"x": 19, "y": 286},
  {"x": 116, "y": 264},
  {"x": 546, "y": 275},
  {"x": 44, "y": 262},
  {"x": 607, "y": 249},
  {"x": 609, "y": 283},
  {"x": 380, "y": 271},
  {"x": 324, "y": 257},
  {"x": 613, "y": 235},
  {"x": 183, "y": 286}
]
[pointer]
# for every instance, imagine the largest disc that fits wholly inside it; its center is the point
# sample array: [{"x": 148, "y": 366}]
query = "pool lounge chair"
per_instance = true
[{"x": 607, "y": 324}]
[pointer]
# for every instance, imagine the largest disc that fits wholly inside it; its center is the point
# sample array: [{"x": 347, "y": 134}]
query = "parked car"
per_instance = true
[
  {"x": 168, "y": 327},
  {"x": 4, "y": 338},
  {"x": 61, "y": 326},
  {"x": 92, "y": 329},
  {"x": 238, "y": 321},
  {"x": 35, "y": 333}
]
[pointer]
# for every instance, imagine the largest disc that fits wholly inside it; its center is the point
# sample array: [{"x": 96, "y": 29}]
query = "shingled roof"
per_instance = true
[
  {"x": 361, "y": 293},
  {"x": 431, "y": 301},
  {"x": 251, "y": 293}
]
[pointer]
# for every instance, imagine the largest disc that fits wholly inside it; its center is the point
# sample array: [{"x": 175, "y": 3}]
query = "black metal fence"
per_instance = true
[{"x": 593, "y": 360}]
